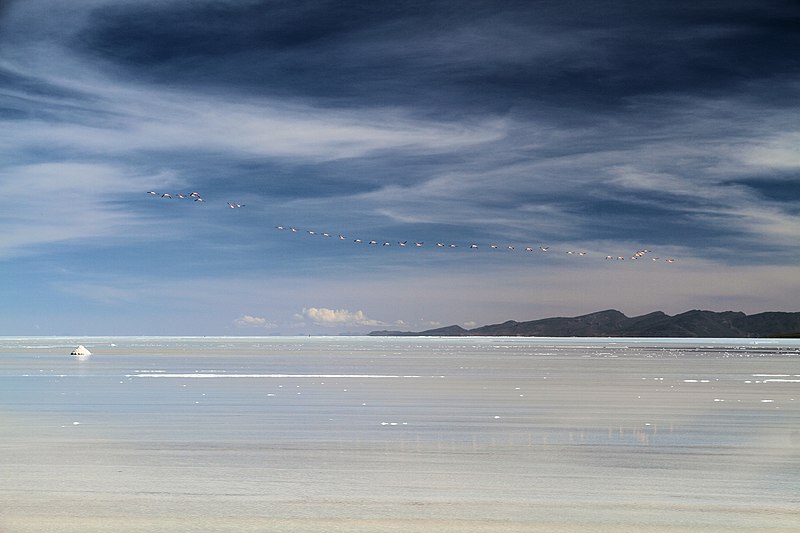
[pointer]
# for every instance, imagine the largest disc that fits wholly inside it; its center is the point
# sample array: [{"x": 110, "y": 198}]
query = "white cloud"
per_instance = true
[
  {"x": 58, "y": 202},
  {"x": 780, "y": 152},
  {"x": 249, "y": 321},
  {"x": 339, "y": 317},
  {"x": 154, "y": 120}
]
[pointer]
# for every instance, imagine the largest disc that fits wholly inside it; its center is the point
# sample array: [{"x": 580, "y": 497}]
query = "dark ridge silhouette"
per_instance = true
[{"x": 612, "y": 323}]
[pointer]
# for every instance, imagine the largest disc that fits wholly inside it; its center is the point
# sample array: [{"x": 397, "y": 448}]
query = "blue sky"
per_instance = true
[{"x": 597, "y": 127}]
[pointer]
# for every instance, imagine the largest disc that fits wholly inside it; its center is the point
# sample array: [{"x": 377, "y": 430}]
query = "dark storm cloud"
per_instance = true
[
  {"x": 784, "y": 191},
  {"x": 490, "y": 56}
]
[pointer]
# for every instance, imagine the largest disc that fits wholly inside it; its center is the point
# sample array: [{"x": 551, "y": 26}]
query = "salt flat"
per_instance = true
[{"x": 399, "y": 434}]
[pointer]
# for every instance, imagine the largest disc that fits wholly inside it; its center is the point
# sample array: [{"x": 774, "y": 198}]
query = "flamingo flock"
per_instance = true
[
  {"x": 471, "y": 246},
  {"x": 192, "y": 195},
  {"x": 638, "y": 255}
]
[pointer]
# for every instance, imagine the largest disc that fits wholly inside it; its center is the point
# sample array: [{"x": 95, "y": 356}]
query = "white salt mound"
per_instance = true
[{"x": 81, "y": 351}]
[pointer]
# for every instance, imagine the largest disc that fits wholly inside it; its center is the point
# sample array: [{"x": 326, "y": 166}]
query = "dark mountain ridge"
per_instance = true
[{"x": 612, "y": 323}]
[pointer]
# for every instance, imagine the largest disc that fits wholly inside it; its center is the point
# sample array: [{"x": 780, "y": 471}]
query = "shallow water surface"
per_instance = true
[{"x": 399, "y": 434}]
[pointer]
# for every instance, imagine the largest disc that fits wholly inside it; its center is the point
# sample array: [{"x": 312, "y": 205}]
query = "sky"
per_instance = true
[{"x": 593, "y": 129}]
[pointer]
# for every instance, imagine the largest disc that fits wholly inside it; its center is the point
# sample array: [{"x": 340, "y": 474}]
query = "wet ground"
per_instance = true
[{"x": 362, "y": 434}]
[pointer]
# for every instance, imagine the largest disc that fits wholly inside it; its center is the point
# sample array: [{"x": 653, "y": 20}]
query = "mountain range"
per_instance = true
[{"x": 613, "y": 323}]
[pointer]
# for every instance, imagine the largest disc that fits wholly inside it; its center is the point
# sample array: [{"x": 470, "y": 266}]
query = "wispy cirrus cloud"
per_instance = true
[
  {"x": 149, "y": 120},
  {"x": 103, "y": 111},
  {"x": 65, "y": 201}
]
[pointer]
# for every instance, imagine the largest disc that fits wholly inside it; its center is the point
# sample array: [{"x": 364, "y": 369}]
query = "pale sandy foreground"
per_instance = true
[{"x": 358, "y": 434}]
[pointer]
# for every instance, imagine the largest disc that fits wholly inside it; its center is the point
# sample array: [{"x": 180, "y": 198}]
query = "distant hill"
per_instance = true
[{"x": 612, "y": 323}]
